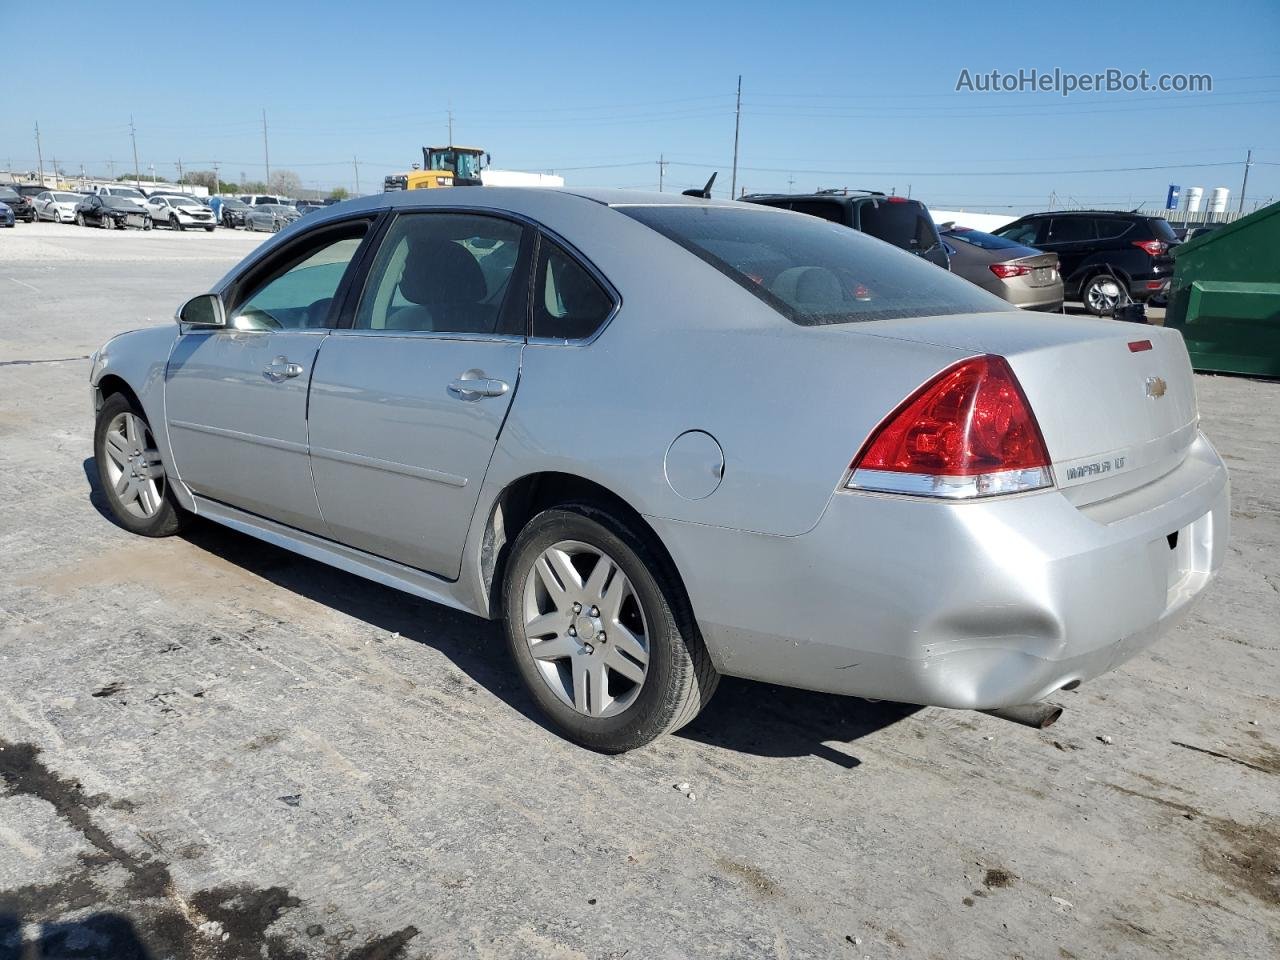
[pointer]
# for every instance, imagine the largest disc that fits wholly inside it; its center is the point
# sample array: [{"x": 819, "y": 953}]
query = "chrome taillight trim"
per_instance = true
[{"x": 951, "y": 488}]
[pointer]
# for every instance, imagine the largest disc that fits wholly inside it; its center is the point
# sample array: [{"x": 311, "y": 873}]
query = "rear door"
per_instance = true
[
  {"x": 408, "y": 399},
  {"x": 236, "y": 398},
  {"x": 1073, "y": 239}
]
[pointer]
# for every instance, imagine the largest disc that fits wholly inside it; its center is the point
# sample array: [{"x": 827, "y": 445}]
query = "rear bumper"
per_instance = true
[{"x": 966, "y": 605}]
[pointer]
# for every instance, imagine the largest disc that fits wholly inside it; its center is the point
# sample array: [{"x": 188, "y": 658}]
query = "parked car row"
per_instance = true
[
  {"x": 1103, "y": 258},
  {"x": 110, "y": 205}
]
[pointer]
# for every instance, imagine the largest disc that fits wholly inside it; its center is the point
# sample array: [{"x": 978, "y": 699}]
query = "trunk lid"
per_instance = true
[{"x": 1115, "y": 413}]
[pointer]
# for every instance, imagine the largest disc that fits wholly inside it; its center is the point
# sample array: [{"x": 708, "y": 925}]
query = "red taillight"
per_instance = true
[
  {"x": 1153, "y": 247},
  {"x": 898, "y": 200},
  {"x": 968, "y": 432},
  {"x": 1006, "y": 270},
  {"x": 1138, "y": 346}
]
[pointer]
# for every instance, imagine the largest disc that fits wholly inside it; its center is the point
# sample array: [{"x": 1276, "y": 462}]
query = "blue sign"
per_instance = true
[{"x": 1175, "y": 194}]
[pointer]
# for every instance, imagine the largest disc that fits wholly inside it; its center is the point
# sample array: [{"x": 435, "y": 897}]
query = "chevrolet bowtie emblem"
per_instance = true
[{"x": 1156, "y": 387}]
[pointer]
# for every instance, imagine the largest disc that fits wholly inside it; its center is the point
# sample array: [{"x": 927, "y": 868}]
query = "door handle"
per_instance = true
[
  {"x": 473, "y": 385},
  {"x": 281, "y": 369}
]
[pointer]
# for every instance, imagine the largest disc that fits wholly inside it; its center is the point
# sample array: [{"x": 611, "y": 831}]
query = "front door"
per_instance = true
[
  {"x": 236, "y": 398},
  {"x": 406, "y": 405}
]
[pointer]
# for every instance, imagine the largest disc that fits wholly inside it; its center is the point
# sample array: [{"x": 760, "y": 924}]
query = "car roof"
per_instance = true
[
  {"x": 525, "y": 199},
  {"x": 1093, "y": 213}
]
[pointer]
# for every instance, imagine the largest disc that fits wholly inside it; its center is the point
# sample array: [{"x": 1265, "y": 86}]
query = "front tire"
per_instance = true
[
  {"x": 600, "y": 631},
  {"x": 131, "y": 472},
  {"x": 80, "y": 220}
]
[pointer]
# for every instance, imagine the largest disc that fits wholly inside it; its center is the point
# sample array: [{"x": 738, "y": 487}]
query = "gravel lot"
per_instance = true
[{"x": 211, "y": 748}]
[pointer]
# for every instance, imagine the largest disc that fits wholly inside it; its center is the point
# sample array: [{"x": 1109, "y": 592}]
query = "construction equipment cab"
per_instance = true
[{"x": 441, "y": 167}]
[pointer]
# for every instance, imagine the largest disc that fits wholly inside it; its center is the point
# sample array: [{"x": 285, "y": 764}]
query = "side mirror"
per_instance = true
[{"x": 205, "y": 310}]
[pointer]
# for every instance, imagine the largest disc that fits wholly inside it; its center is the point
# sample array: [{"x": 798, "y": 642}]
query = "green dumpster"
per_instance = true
[{"x": 1225, "y": 296}]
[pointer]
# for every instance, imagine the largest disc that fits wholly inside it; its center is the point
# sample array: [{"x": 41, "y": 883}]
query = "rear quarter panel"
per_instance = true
[{"x": 691, "y": 350}]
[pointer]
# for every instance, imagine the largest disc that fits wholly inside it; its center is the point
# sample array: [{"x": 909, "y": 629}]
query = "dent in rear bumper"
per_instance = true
[{"x": 970, "y": 605}]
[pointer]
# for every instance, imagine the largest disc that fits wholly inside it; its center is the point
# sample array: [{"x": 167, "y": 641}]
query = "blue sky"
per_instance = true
[{"x": 834, "y": 94}]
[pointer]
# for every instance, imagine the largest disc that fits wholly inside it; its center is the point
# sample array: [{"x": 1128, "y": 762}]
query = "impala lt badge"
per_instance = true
[{"x": 1156, "y": 387}]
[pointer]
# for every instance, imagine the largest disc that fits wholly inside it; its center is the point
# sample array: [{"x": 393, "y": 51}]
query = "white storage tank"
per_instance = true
[
  {"x": 1218, "y": 200},
  {"x": 1194, "y": 196}
]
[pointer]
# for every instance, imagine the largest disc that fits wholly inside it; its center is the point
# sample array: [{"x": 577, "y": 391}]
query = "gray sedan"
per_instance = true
[
  {"x": 665, "y": 439},
  {"x": 1026, "y": 277},
  {"x": 271, "y": 217}
]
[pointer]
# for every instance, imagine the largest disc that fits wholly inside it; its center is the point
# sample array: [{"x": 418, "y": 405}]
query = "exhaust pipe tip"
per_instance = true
[{"x": 1039, "y": 715}]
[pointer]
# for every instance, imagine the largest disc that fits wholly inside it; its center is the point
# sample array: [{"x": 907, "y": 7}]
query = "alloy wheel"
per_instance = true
[
  {"x": 586, "y": 629},
  {"x": 133, "y": 466},
  {"x": 1103, "y": 296}
]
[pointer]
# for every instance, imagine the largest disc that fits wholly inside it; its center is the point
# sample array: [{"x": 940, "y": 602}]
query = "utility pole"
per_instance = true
[
  {"x": 1248, "y": 162},
  {"x": 662, "y": 169},
  {"x": 737, "y": 123},
  {"x": 133, "y": 135},
  {"x": 179, "y": 169},
  {"x": 55, "y": 173},
  {"x": 791, "y": 183},
  {"x": 111, "y": 165},
  {"x": 356, "y": 164},
  {"x": 450, "y": 112},
  {"x": 266, "y": 155},
  {"x": 217, "y": 181},
  {"x": 39, "y": 154}
]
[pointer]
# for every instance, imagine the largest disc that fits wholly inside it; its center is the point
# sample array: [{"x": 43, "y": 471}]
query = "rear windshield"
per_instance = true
[
  {"x": 1160, "y": 227},
  {"x": 983, "y": 241},
  {"x": 811, "y": 271},
  {"x": 904, "y": 223}
]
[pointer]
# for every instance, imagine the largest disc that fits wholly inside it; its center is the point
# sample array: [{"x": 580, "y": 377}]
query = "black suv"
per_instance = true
[
  {"x": 1098, "y": 250},
  {"x": 897, "y": 220},
  {"x": 21, "y": 196}
]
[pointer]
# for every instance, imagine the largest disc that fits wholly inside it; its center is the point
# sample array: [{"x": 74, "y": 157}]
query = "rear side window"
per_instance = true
[
  {"x": 813, "y": 272},
  {"x": 446, "y": 273},
  {"x": 825, "y": 209},
  {"x": 904, "y": 223},
  {"x": 1070, "y": 229},
  {"x": 568, "y": 302},
  {"x": 1111, "y": 228}
]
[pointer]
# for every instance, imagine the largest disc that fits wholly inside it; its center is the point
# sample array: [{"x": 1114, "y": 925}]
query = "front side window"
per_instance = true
[
  {"x": 297, "y": 292},
  {"x": 813, "y": 272},
  {"x": 1021, "y": 233},
  {"x": 446, "y": 273},
  {"x": 568, "y": 302}
]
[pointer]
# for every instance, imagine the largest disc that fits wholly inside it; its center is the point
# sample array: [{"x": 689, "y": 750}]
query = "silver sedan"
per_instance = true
[
  {"x": 666, "y": 439},
  {"x": 271, "y": 217}
]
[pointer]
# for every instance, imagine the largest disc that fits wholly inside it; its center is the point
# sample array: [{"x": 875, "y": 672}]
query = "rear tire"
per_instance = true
[
  {"x": 131, "y": 473},
  {"x": 1101, "y": 294},
  {"x": 587, "y": 686}
]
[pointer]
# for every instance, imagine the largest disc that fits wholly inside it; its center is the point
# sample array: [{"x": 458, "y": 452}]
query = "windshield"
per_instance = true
[
  {"x": 983, "y": 241},
  {"x": 230, "y": 202},
  {"x": 66, "y": 197},
  {"x": 119, "y": 203},
  {"x": 811, "y": 271},
  {"x": 465, "y": 165},
  {"x": 185, "y": 202},
  {"x": 129, "y": 192},
  {"x": 8, "y": 193},
  {"x": 274, "y": 208}
]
